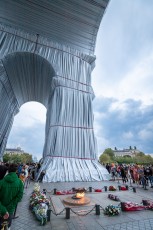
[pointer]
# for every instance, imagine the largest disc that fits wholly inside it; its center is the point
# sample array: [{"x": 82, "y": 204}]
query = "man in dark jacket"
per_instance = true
[
  {"x": 3, "y": 170},
  {"x": 11, "y": 192}
]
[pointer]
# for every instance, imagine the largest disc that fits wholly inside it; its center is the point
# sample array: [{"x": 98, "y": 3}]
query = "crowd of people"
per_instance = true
[
  {"x": 134, "y": 173},
  {"x": 26, "y": 171},
  {"x": 13, "y": 179}
]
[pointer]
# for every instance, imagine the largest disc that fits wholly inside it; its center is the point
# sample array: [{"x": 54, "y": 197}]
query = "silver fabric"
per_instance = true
[
  {"x": 73, "y": 23},
  {"x": 73, "y": 169},
  {"x": 35, "y": 68}
]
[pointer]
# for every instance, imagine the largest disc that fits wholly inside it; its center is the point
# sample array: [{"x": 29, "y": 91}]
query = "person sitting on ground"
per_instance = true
[{"x": 11, "y": 192}]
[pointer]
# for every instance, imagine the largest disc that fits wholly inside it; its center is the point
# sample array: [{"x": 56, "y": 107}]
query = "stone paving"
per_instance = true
[{"x": 138, "y": 220}]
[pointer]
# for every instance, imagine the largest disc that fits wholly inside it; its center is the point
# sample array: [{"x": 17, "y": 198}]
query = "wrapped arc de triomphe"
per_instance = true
[{"x": 53, "y": 67}]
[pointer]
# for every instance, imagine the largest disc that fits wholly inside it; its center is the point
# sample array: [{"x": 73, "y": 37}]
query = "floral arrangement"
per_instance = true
[
  {"x": 64, "y": 192},
  {"x": 112, "y": 188},
  {"x": 131, "y": 206},
  {"x": 123, "y": 188},
  {"x": 147, "y": 203},
  {"x": 40, "y": 211},
  {"x": 36, "y": 187},
  {"x": 113, "y": 197},
  {"x": 98, "y": 190},
  {"x": 112, "y": 210},
  {"x": 39, "y": 204}
]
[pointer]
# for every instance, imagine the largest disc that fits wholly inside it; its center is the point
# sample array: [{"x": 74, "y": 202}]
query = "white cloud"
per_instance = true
[
  {"x": 30, "y": 114},
  {"x": 124, "y": 65},
  {"x": 145, "y": 135},
  {"x": 137, "y": 83},
  {"x": 102, "y": 144},
  {"x": 128, "y": 135},
  {"x": 28, "y": 129}
]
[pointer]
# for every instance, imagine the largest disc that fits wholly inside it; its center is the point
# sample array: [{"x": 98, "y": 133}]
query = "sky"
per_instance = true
[{"x": 122, "y": 81}]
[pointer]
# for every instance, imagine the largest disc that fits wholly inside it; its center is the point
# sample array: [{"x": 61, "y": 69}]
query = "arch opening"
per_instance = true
[
  {"x": 28, "y": 130},
  {"x": 24, "y": 77}
]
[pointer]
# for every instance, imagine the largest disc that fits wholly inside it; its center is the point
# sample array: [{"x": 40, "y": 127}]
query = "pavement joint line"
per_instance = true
[{"x": 101, "y": 221}]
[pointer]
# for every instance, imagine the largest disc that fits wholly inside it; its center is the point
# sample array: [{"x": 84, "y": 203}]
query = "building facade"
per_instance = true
[
  {"x": 13, "y": 151},
  {"x": 130, "y": 152}
]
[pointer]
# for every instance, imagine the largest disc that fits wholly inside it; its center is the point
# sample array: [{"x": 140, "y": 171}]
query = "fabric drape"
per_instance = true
[{"x": 59, "y": 77}]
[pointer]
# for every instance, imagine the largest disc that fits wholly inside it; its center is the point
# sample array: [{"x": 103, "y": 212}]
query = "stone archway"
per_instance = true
[
  {"x": 32, "y": 68},
  {"x": 30, "y": 77},
  {"x": 24, "y": 77}
]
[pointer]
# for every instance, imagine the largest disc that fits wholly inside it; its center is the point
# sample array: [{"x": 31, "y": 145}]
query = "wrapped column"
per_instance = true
[{"x": 70, "y": 151}]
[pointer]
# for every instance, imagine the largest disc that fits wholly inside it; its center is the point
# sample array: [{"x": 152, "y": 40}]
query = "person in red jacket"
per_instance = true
[{"x": 11, "y": 192}]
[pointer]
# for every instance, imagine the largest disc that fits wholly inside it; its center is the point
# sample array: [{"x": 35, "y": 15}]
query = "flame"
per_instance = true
[{"x": 79, "y": 195}]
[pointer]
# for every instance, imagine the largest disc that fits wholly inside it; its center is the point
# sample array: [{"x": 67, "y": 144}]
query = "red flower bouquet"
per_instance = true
[
  {"x": 130, "y": 206},
  {"x": 64, "y": 192},
  {"x": 98, "y": 190},
  {"x": 112, "y": 188},
  {"x": 123, "y": 188}
]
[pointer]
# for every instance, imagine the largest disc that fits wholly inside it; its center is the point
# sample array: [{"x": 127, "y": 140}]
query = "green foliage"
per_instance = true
[
  {"x": 141, "y": 154},
  {"x": 125, "y": 159},
  {"x": 109, "y": 152},
  {"x": 17, "y": 158},
  {"x": 107, "y": 156},
  {"x": 104, "y": 158},
  {"x": 138, "y": 159},
  {"x": 6, "y": 157}
]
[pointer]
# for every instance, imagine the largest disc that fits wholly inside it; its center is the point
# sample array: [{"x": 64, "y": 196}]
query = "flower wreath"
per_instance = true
[
  {"x": 39, "y": 204},
  {"x": 112, "y": 210},
  {"x": 131, "y": 206}
]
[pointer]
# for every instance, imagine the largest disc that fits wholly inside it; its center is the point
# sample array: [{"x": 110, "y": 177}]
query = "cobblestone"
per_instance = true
[{"x": 137, "y": 220}]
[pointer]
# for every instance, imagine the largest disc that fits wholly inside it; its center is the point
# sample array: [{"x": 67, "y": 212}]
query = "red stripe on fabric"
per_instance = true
[
  {"x": 16, "y": 35},
  {"x": 72, "y": 88},
  {"x": 72, "y": 157},
  {"x": 79, "y": 82},
  {"x": 69, "y": 126}
]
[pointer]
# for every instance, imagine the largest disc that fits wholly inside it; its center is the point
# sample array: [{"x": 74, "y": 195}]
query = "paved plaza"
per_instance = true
[{"x": 79, "y": 219}]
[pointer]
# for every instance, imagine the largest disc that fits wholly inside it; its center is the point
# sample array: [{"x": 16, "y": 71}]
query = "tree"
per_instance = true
[
  {"x": 17, "y": 158},
  {"x": 104, "y": 158},
  {"x": 6, "y": 157},
  {"x": 123, "y": 160},
  {"x": 140, "y": 154},
  {"x": 109, "y": 152}
]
